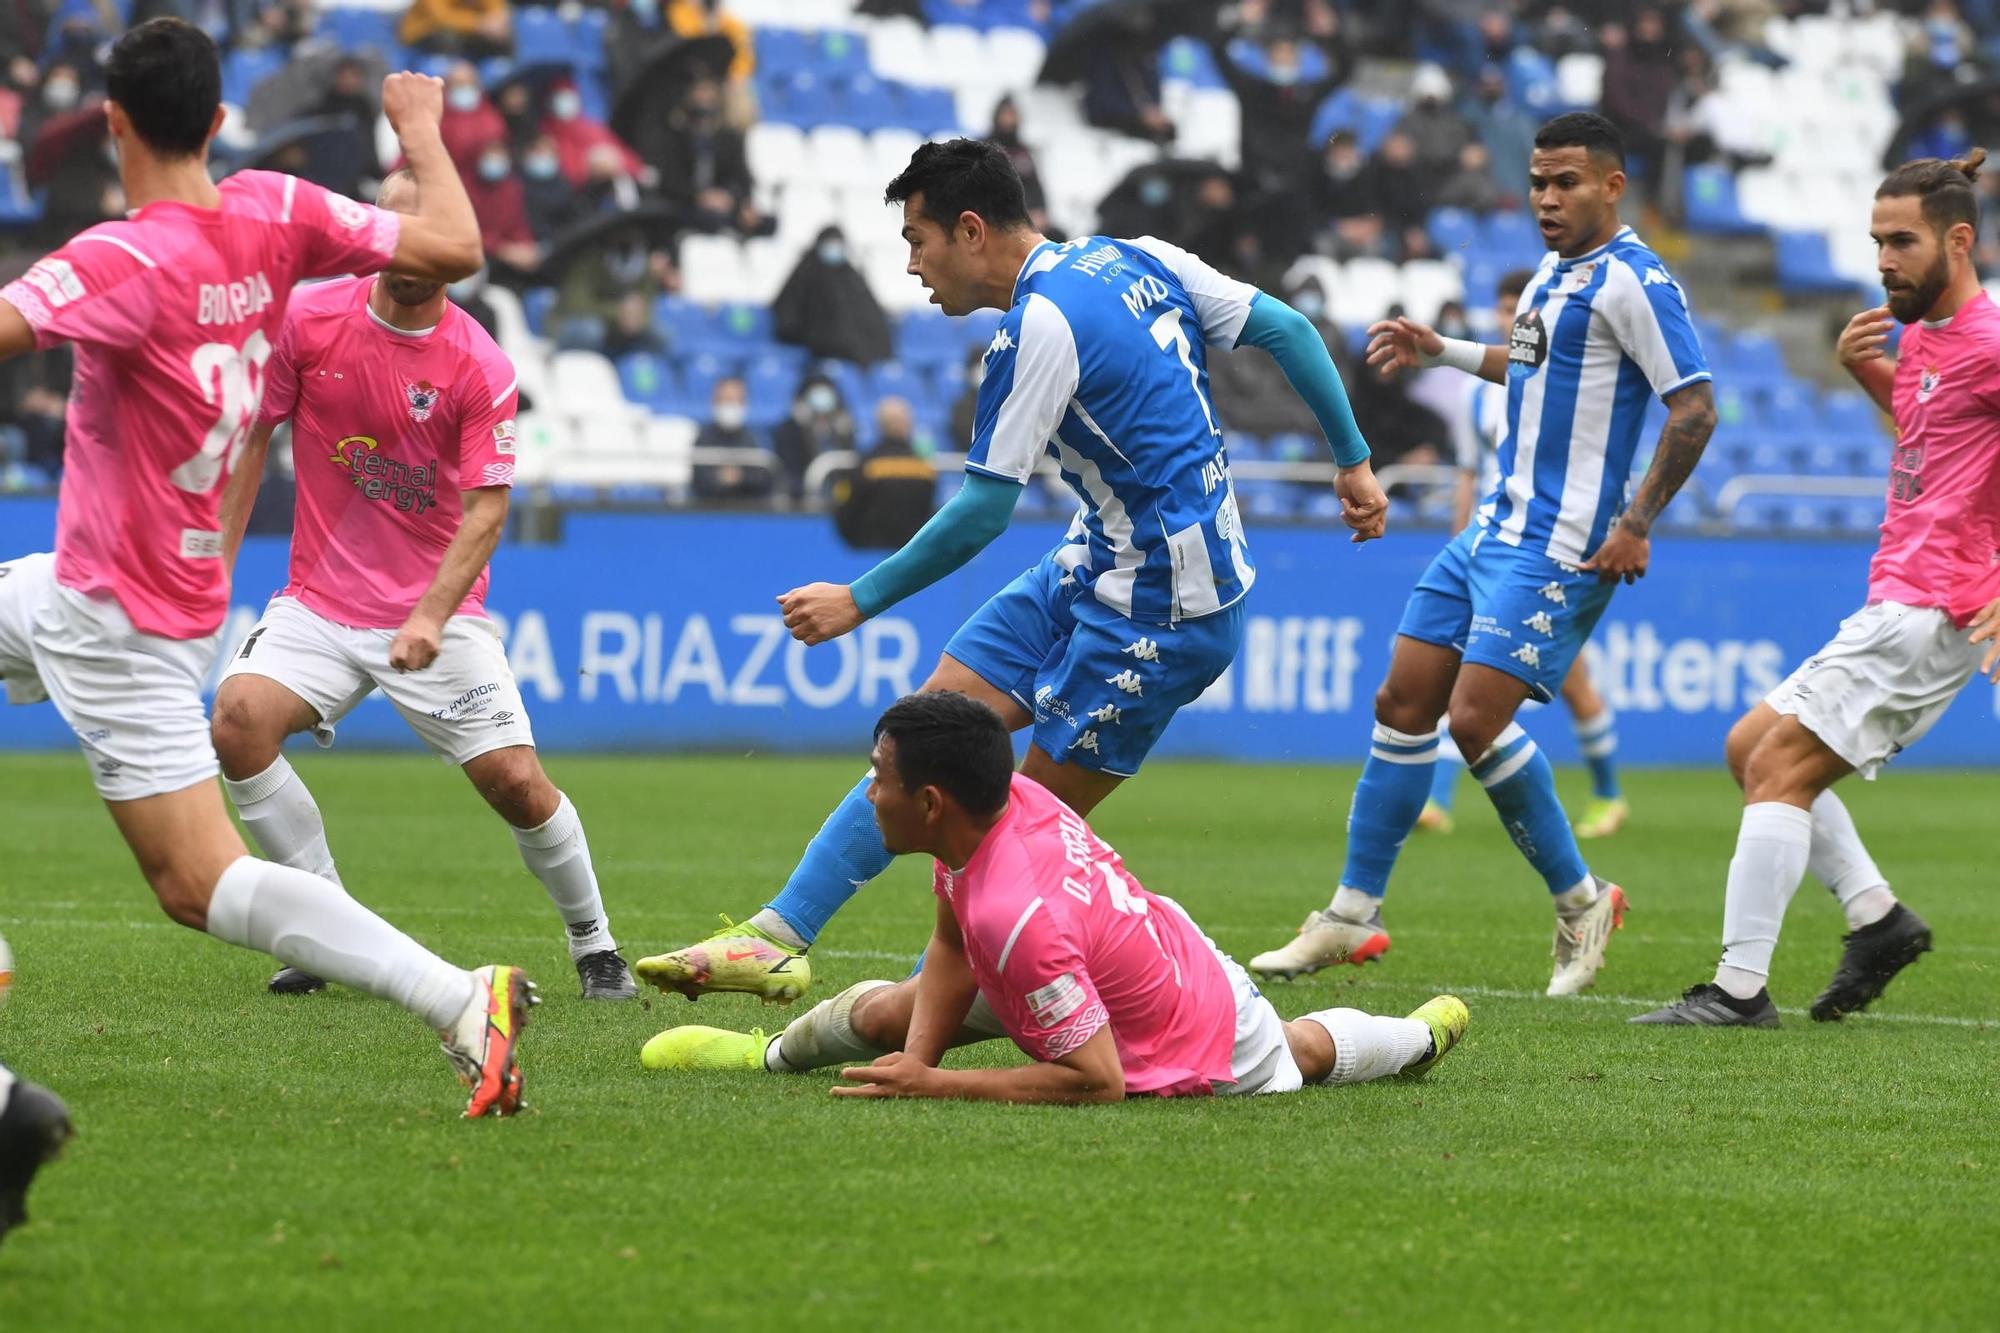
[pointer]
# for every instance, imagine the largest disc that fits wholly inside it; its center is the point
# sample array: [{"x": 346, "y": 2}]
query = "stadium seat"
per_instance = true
[
  {"x": 899, "y": 48},
  {"x": 1709, "y": 192},
  {"x": 536, "y": 302},
  {"x": 1453, "y": 231},
  {"x": 776, "y": 152},
  {"x": 712, "y": 269},
  {"x": 1013, "y": 56},
  {"x": 243, "y": 70},
  {"x": 868, "y": 103},
  {"x": 782, "y": 50},
  {"x": 364, "y": 30},
  {"x": 1189, "y": 61},
  {"x": 577, "y": 377},
  {"x": 956, "y": 49},
  {"x": 543, "y": 32},
  {"x": 647, "y": 380},
  {"x": 1805, "y": 266}
]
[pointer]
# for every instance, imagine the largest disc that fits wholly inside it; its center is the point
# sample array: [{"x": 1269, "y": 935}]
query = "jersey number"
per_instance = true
[
  {"x": 1169, "y": 334},
  {"x": 234, "y": 379},
  {"x": 1124, "y": 901}
]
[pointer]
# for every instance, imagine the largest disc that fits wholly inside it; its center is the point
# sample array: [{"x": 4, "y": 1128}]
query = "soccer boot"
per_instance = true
[
  {"x": 738, "y": 957},
  {"x": 1324, "y": 940},
  {"x": 1710, "y": 1006},
  {"x": 695, "y": 1047},
  {"x": 33, "y": 1129},
  {"x": 480, "y": 1044},
  {"x": 1447, "y": 1018},
  {"x": 605, "y": 976},
  {"x": 1601, "y": 818},
  {"x": 1434, "y": 818},
  {"x": 295, "y": 981},
  {"x": 1869, "y": 959},
  {"x": 1581, "y": 940}
]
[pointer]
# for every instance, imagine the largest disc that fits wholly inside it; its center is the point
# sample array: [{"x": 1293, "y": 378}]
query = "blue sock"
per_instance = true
[
  {"x": 1444, "y": 785},
  {"x": 1517, "y": 776},
  {"x": 1598, "y": 740},
  {"x": 1387, "y": 801},
  {"x": 846, "y": 853}
]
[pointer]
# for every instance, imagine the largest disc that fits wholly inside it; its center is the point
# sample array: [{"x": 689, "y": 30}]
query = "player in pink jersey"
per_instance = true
[
  {"x": 402, "y": 412},
  {"x": 174, "y": 313},
  {"x": 1044, "y": 936},
  {"x": 1897, "y": 663}
]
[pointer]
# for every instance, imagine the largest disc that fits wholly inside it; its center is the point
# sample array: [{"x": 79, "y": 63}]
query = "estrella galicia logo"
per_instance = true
[{"x": 1528, "y": 343}]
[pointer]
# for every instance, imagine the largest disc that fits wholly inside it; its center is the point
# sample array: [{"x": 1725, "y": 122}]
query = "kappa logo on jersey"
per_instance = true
[
  {"x": 503, "y": 438},
  {"x": 1108, "y": 715},
  {"x": 1927, "y": 383},
  {"x": 346, "y": 212},
  {"x": 1528, "y": 343},
  {"x": 1554, "y": 592},
  {"x": 1657, "y": 277},
  {"x": 1127, "y": 680},
  {"x": 1146, "y": 650},
  {"x": 411, "y": 489},
  {"x": 1528, "y": 655},
  {"x": 1001, "y": 343},
  {"x": 1540, "y": 623},
  {"x": 423, "y": 396}
]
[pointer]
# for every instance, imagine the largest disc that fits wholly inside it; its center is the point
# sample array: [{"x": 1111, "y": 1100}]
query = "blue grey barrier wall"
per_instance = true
[{"x": 661, "y": 632}]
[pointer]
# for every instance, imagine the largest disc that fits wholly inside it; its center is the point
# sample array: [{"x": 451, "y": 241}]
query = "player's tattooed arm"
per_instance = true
[{"x": 1626, "y": 553}]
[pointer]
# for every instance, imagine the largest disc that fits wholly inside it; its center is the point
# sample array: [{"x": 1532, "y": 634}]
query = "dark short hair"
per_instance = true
[
  {"x": 952, "y": 742},
  {"x": 1945, "y": 190},
  {"x": 963, "y": 176},
  {"x": 1586, "y": 130},
  {"x": 166, "y": 76},
  {"x": 1514, "y": 280}
]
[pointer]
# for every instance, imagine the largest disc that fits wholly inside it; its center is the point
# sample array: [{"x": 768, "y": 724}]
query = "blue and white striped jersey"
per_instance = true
[
  {"x": 1593, "y": 338},
  {"x": 1103, "y": 361}
]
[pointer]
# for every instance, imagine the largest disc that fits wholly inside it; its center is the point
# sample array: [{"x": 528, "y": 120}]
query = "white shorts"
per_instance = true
[
  {"x": 1882, "y": 682},
  {"x": 133, "y": 699},
  {"x": 462, "y": 705}
]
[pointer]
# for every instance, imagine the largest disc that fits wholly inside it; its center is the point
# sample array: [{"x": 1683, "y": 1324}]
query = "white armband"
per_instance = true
[{"x": 1459, "y": 354}]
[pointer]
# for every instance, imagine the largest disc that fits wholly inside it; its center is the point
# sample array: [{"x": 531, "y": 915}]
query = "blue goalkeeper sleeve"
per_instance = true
[
  {"x": 962, "y": 529},
  {"x": 1294, "y": 343}
]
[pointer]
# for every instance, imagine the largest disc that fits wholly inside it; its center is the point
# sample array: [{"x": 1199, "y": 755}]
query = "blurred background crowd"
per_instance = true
[{"x": 690, "y": 263}]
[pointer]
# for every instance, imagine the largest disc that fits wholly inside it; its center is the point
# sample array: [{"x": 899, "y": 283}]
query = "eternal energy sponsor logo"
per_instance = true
[{"x": 410, "y": 487}]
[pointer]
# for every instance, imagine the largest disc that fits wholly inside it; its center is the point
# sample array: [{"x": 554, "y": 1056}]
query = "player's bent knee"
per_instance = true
[
  {"x": 181, "y": 897},
  {"x": 513, "y": 783},
  {"x": 882, "y": 1016},
  {"x": 244, "y": 743},
  {"x": 1395, "y": 708},
  {"x": 1473, "y": 731}
]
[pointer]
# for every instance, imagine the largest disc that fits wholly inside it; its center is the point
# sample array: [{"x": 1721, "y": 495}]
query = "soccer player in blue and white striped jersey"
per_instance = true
[
  {"x": 1100, "y": 362},
  {"x": 1503, "y": 611}
]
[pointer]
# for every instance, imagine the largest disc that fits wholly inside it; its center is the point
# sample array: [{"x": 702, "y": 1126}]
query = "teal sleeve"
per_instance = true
[
  {"x": 1295, "y": 345},
  {"x": 962, "y": 529}
]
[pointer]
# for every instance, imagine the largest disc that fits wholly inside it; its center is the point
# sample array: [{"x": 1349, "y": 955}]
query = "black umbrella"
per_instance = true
[
  {"x": 656, "y": 87},
  {"x": 1127, "y": 211},
  {"x": 657, "y": 226},
  {"x": 265, "y": 152},
  {"x": 1919, "y": 117},
  {"x": 1078, "y": 48}
]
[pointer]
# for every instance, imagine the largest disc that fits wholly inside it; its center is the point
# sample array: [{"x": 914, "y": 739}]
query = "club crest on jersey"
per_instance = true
[
  {"x": 423, "y": 396},
  {"x": 1927, "y": 383}
]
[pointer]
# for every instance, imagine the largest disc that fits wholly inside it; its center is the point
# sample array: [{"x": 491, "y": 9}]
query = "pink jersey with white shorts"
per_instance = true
[
  {"x": 1063, "y": 941},
  {"x": 174, "y": 312},
  {"x": 1941, "y": 540},
  {"x": 388, "y": 428}
]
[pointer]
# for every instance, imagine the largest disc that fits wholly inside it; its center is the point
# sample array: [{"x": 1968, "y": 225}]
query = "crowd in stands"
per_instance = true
[{"x": 689, "y": 189}]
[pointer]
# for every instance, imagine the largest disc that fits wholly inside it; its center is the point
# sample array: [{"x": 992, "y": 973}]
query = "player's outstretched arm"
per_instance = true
[
  {"x": 440, "y": 240},
  {"x": 1690, "y": 421},
  {"x": 1090, "y": 1073},
  {"x": 240, "y": 495},
  {"x": 471, "y": 549},
  {"x": 1396, "y": 345},
  {"x": 966, "y": 525},
  {"x": 1862, "y": 350},
  {"x": 945, "y": 991}
]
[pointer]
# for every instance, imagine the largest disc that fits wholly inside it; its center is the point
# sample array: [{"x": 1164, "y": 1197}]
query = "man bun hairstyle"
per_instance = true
[
  {"x": 952, "y": 742},
  {"x": 963, "y": 176},
  {"x": 1946, "y": 190},
  {"x": 168, "y": 80},
  {"x": 1586, "y": 130}
]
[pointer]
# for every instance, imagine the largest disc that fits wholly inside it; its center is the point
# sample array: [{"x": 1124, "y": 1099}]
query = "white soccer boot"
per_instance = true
[
  {"x": 1582, "y": 938},
  {"x": 1323, "y": 941}
]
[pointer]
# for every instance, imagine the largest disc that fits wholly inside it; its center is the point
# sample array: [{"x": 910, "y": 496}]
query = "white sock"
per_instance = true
[
  {"x": 297, "y": 919},
  {"x": 558, "y": 855},
  {"x": 1577, "y": 896},
  {"x": 1597, "y": 737},
  {"x": 1353, "y": 905},
  {"x": 1771, "y": 852},
  {"x": 6, "y": 1087},
  {"x": 1367, "y": 1046},
  {"x": 777, "y": 928},
  {"x": 282, "y": 816},
  {"x": 823, "y": 1036},
  {"x": 1840, "y": 862}
]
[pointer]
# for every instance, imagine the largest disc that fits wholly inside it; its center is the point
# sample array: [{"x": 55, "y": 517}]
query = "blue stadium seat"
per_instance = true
[
  {"x": 1864, "y": 515},
  {"x": 1805, "y": 265},
  {"x": 928, "y": 110},
  {"x": 977, "y": 330},
  {"x": 1710, "y": 194},
  {"x": 1297, "y": 448},
  {"x": 1850, "y": 414},
  {"x": 1268, "y": 499},
  {"x": 687, "y": 327},
  {"x": 1512, "y": 240},
  {"x": 1792, "y": 406},
  {"x": 698, "y": 377},
  {"x": 1247, "y": 448},
  {"x": 1531, "y": 79},
  {"x": 587, "y": 38},
  {"x": 242, "y": 71},
  {"x": 1453, "y": 231},
  {"x": 783, "y": 49},
  {"x": 1752, "y": 358},
  {"x": 1869, "y": 460},
  {"x": 742, "y": 326},
  {"x": 836, "y": 52},
  {"x": 536, "y": 303},
  {"x": 647, "y": 380},
  {"x": 573, "y": 493},
  {"x": 770, "y": 382},
  {"x": 1189, "y": 61},
  {"x": 543, "y": 33},
  {"x": 363, "y": 29},
  {"x": 869, "y": 103}
]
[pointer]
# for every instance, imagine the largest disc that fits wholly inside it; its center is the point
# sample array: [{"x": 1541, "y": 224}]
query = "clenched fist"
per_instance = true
[{"x": 412, "y": 101}]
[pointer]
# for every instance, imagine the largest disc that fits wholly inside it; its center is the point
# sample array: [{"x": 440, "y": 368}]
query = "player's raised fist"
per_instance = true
[
  {"x": 410, "y": 100},
  {"x": 819, "y": 611},
  {"x": 1866, "y": 336},
  {"x": 1401, "y": 344}
]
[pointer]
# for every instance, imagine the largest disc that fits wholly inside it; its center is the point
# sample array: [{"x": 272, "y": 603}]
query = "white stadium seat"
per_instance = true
[
  {"x": 1580, "y": 78},
  {"x": 711, "y": 269},
  {"x": 836, "y": 154},
  {"x": 899, "y": 49},
  {"x": 891, "y": 151},
  {"x": 1014, "y": 56},
  {"x": 957, "y": 52},
  {"x": 775, "y": 151},
  {"x": 540, "y": 438},
  {"x": 1427, "y": 285},
  {"x": 1365, "y": 291},
  {"x": 586, "y": 381},
  {"x": 767, "y": 262}
]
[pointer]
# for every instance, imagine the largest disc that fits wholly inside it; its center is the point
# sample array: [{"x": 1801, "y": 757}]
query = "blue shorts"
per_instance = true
[
  {"x": 1507, "y": 608},
  {"x": 1102, "y": 688}
]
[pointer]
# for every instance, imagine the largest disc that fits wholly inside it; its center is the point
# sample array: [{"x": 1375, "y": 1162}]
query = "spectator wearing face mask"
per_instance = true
[
  {"x": 501, "y": 206},
  {"x": 892, "y": 491},
  {"x": 69, "y": 156},
  {"x": 819, "y": 424},
  {"x": 1343, "y": 195},
  {"x": 1401, "y": 193},
  {"x": 728, "y": 427},
  {"x": 1435, "y": 129},
  {"x": 1471, "y": 184},
  {"x": 578, "y": 136},
  {"x": 1251, "y": 393},
  {"x": 688, "y": 19},
  {"x": 701, "y": 162},
  {"x": 1280, "y": 95},
  {"x": 826, "y": 307},
  {"x": 552, "y": 206},
  {"x": 474, "y": 29},
  {"x": 1007, "y": 133},
  {"x": 470, "y": 124}
]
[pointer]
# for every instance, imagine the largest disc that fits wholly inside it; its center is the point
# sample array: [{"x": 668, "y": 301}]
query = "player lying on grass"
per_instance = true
[
  {"x": 173, "y": 312},
  {"x": 1044, "y": 936},
  {"x": 1101, "y": 362},
  {"x": 1898, "y": 662},
  {"x": 1502, "y": 612},
  {"x": 34, "y": 1125},
  {"x": 405, "y": 457}
]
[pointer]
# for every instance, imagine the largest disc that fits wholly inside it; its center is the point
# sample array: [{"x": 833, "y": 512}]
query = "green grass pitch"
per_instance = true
[{"x": 247, "y": 1162}]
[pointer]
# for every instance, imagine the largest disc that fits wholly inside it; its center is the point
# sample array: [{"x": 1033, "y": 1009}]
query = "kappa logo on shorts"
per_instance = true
[
  {"x": 1146, "y": 650},
  {"x": 1528, "y": 655},
  {"x": 1127, "y": 680},
  {"x": 1088, "y": 741},
  {"x": 1554, "y": 592},
  {"x": 1109, "y": 714},
  {"x": 1540, "y": 623}
]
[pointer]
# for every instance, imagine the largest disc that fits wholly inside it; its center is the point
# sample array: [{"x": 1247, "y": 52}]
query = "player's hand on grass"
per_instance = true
[
  {"x": 819, "y": 611},
  {"x": 1401, "y": 344},
  {"x": 416, "y": 644},
  {"x": 412, "y": 100},
  {"x": 1986, "y": 629},
  {"x": 1866, "y": 337},
  {"x": 1623, "y": 556},
  {"x": 1363, "y": 506},
  {"x": 897, "y": 1074}
]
